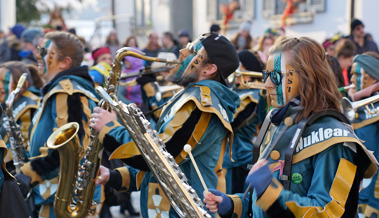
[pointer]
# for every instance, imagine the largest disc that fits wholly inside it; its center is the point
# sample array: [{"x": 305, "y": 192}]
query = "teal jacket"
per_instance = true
[
  {"x": 244, "y": 127},
  {"x": 200, "y": 115},
  {"x": 328, "y": 164},
  {"x": 70, "y": 96},
  {"x": 367, "y": 129}
]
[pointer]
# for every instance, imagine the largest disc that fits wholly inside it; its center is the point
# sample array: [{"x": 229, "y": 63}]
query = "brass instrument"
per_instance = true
[
  {"x": 350, "y": 108},
  {"x": 245, "y": 84},
  {"x": 82, "y": 183},
  {"x": 172, "y": 180},
  {"x": 161, "y": 90},
  {"x": 16, "y": 139}
]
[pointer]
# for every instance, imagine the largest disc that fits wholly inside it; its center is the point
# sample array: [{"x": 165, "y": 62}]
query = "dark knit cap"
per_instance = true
[
  {"x": 354, "y": 23},
  {"x": 222, "y": 53},
  {"x": 249, "y": 61}
]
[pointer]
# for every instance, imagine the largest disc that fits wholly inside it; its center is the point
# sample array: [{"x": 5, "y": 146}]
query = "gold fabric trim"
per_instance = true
[
  {"x": 237, "y": 205},
  {"x": 125, "y": 184},
  {"x": 270, "y": 195}
]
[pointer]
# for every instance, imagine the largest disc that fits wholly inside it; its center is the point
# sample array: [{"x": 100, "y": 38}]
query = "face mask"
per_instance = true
[
  {"x": 47, "y": 47},
  {"x": 6, "y": 83},
  {"x": 359, "y": 76},
  {"x": 196, "y": 53}
]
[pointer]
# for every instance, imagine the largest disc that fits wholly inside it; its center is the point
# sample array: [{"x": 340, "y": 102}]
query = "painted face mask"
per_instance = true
[
  {"x": 359, "y": 75},
  {"x": 6, "y": 83},
  {"x": 193, "y": 59},
  {"x": 43, "y": 52},
  {"x": 285, "y": 80}
]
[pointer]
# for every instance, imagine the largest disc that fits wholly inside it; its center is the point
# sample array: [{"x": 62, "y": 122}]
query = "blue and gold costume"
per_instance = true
[
  {"x": 245, "y": 127},
  {"x": 327, "y": 167},
  {"x": 200, "y": 116},
  {"x": 366, "y": 127},
  {"x": 68, "y": 97},
  {"x": 23, "y": 110}
]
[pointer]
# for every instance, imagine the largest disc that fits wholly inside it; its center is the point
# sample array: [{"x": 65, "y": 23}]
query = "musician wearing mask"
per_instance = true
[
  {"x": 200, "y": 116},
  {"x": 23, "y": 105},
  {"x": 365, "y": 77},
  {"x": 309, "y": 162},
  {"x": 245, "y": 124},
  {"x": 68, "y": 96}
]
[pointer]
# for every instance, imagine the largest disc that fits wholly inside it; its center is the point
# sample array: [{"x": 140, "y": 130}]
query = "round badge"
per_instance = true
[
  {"x": 275, "y": 155},
  {"x": 297, "y": 178},
  {"x": 288, "y": 121}
]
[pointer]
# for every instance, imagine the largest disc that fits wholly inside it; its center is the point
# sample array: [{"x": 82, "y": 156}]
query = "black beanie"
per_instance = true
[
  {"x": 354, "y": 23},
  {"x": 222, "y": 53},
  {"x": 249, "y": 61}
]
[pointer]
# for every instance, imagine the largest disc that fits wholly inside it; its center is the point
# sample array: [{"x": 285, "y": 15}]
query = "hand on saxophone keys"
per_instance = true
[
  {"x": 103, "y": 176},
  {"x": 100, "y": 117}
]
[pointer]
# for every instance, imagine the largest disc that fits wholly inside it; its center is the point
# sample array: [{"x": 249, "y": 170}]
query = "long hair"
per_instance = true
[
  {"x": 126, "y": 43},
  {"x": 68, "y": 45},
  {"x": 317, "y": 84}
]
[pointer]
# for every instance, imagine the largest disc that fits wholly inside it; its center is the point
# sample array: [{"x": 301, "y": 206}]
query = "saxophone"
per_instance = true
[
  {"x": 16, "y": 139},
  {"x": 172, "y": 180},
  {"x": 78, "y": 179}
]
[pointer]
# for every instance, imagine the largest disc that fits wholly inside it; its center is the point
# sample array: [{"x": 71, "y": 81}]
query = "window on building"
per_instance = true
[
  {"x": 246, "y": 11},
  {"x": 142, "y": 13}
]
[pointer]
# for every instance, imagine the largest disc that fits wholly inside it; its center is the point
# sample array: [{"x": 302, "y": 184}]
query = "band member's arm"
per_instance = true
[{"x": 121, "y": 179}]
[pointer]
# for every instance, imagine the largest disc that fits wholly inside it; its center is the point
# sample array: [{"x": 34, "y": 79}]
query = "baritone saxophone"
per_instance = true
[
  {"x": 167, "y": 172},
  {"x": 76, "y": 184}
]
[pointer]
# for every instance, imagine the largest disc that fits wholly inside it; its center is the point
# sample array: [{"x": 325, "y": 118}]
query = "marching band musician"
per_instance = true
[
  {"x": 321, "y": 175},
  {"x": 365, "y": 77},
  {"x": 68, "y": 96},
  {"x": 25, "y": 103},
  {"x": 200, "y": 116},
  {"x": 244, "y": 126}
]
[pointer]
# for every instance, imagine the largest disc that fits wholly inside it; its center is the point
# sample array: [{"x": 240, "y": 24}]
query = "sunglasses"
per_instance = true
[
  {"x": 276, "y": 77},
  {"x": 41, "y": 51}
]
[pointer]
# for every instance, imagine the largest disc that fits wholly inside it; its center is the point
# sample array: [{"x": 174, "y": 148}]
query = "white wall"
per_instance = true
[
  {"x": 7, "y": 14},
  {"x": 367, "y": 11},
  {"x": 161, "y": 15}
]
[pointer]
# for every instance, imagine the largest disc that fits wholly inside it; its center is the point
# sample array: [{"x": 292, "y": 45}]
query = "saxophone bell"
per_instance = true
[{"x": 65, "y": 139}]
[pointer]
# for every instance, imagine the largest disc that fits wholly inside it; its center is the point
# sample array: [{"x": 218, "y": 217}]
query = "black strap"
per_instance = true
[
  {"x": 260, "y": 137},
  {"x": 152, "y": 111},
  {"x": 298, "y": 133}
]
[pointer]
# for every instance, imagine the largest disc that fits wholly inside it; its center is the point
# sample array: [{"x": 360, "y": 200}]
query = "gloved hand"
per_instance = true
[
  {"x": 146, "y": 79},
  {"x": 24, "y": 182},
  {"x": 224, "y": 204},
  {"x": 260, "y": 179}
]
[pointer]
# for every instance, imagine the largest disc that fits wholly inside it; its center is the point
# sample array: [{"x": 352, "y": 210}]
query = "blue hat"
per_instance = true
[
  {"x": 96, "y": 76},
  {"x": 30, "y": 34},
  {"x": 17, "y": 30}
]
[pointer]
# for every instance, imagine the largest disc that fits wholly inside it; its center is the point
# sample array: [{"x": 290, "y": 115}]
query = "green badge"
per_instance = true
[{"x": 297, "y": 178}]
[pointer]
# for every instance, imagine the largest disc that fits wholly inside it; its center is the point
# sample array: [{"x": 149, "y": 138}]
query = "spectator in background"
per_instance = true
[
  {"x": 242, "y": 39},
  {"x": 358, "y": 36},
  {"x": 169, "y": 44},
  {"x": 215, "y": 28},
  {"x": 345, "y": 51},
  {"x": 30, "y": 39},
  {"x": 102, "y": 54},
  {"x": 99, "y": 73},
  {"x": 112, "y": 43},
  {"x": 56, "y": 20},
  {"x": 184, "y": 38},
  {"x": 11, "y": 46},
  {"x": 152, "y": 47},
  {"x": 264, "y": 44},
  {"x": 132, "y": 65},
  {"x": 329, "y": 46}
]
